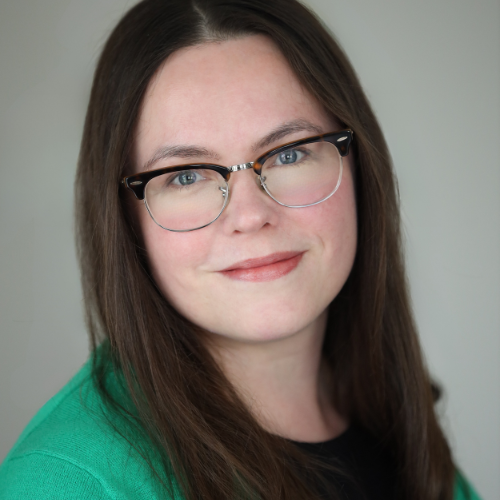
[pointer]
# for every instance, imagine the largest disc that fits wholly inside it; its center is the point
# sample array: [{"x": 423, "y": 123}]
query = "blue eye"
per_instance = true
[
  {"x": 186, "y": 178},
  {"x": 289, "y": 157}
]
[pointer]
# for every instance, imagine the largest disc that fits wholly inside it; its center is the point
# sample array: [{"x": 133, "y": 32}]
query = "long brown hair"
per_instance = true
[{"x": 202, "y": 432}]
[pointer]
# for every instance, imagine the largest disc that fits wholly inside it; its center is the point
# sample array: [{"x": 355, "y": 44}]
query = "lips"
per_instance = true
[{"x": 267, "y": 268}]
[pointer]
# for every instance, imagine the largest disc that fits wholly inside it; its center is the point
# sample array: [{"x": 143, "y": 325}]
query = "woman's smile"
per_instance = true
[{"x": 268, "y": 268}]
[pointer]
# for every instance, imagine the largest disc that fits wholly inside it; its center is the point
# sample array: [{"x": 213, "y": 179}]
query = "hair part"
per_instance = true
[{"x": 203, "y": 435}]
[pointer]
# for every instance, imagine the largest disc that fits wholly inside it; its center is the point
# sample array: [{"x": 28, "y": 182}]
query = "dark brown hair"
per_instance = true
[{"x": 206, "y": 438}]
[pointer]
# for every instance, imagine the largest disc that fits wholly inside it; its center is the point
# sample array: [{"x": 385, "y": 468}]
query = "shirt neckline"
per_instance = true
[{"x": 341, "y": 437}]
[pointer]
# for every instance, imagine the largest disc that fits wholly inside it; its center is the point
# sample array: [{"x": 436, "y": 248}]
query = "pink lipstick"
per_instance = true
[{"x": 267, "y": 268}]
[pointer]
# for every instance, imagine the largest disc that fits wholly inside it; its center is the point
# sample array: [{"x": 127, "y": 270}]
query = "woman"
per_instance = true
[{"x": 238, "y": 233}]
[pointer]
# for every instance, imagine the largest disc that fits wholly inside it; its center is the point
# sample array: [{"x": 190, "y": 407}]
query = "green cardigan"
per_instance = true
[{"x": 70, "y": 451}]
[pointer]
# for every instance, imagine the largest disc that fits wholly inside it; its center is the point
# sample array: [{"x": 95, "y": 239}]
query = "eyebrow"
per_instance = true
[
  {"x": 181, "y": 151},
  {"x": 193, "y": 151},
  {"x": 285, "y": 129}
]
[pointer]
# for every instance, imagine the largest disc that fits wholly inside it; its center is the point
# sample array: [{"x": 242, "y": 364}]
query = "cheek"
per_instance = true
[
  {"x": 173, "y": 256},
  {"x": 333, "y": 224}
]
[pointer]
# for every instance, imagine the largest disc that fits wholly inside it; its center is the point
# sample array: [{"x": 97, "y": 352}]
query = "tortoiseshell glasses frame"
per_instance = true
[{"x": 137, "y": 183}]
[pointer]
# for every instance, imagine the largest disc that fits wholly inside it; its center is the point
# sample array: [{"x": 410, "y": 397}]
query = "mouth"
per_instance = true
[{"x": 267, "y": 268}]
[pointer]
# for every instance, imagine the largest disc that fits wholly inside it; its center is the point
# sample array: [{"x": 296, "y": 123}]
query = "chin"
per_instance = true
[{"x": 249, "y": 329}]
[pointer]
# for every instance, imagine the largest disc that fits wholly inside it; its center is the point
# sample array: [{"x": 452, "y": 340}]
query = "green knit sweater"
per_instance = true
[{"x": 70, "y": 451}]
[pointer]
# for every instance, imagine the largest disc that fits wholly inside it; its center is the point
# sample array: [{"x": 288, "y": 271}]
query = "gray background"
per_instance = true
[{"x": 432, "y": 72}]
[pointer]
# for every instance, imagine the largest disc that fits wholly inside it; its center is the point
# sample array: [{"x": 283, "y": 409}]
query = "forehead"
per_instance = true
[{"x": 221, "y": 92}]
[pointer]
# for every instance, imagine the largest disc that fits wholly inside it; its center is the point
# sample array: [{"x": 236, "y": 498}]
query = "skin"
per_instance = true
[{"x": 266, "y": 335}]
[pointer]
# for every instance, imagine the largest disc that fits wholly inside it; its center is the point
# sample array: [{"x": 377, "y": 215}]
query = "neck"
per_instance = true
[{"x": 285, "y": 383}]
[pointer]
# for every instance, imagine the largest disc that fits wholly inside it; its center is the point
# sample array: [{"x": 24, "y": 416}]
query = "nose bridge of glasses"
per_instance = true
[
  {"x": 244, "y": 166},
  {"x": 241, "y": 166}
]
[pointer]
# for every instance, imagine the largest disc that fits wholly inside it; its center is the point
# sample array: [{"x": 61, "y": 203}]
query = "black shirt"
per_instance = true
[{"x": 366, "y": 461}]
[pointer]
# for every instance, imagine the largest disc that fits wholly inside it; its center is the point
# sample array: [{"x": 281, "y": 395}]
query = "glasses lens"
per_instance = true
[
  {"x": 303, "y": 175},
  {"x": 190, "y": 199}
]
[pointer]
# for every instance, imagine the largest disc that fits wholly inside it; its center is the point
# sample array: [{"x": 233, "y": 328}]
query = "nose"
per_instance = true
[{"x": 249, "y": 207}]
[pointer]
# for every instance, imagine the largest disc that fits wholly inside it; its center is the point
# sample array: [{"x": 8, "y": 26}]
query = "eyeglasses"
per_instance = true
[{"x": 297, "y": 174}]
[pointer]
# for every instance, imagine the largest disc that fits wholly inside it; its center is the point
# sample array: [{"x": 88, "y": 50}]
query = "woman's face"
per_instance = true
[{"x": 226, "y": 98}]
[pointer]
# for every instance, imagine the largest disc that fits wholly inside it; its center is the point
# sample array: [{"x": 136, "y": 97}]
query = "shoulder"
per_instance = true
[
  {"x": 45, "y": 476},
  {"x": 72, "y": 449}
]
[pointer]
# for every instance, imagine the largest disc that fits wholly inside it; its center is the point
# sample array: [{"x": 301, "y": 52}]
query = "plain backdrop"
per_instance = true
[{"x": 431, "y": 70}]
